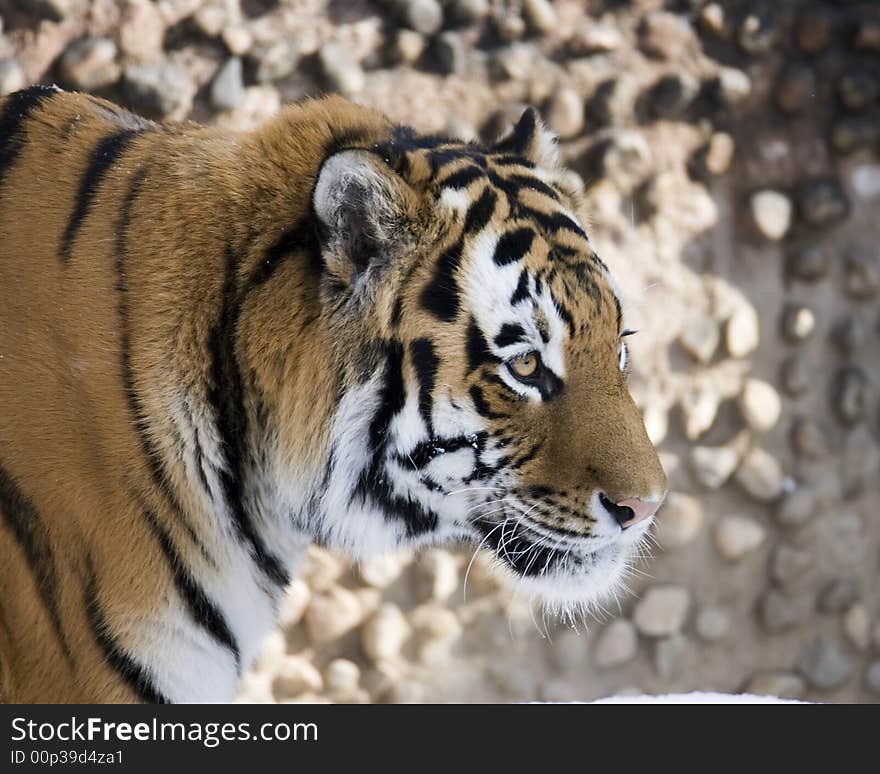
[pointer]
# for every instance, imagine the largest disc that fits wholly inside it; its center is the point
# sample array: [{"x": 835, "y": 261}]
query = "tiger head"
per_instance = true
[{"x": 485, "y": 363}]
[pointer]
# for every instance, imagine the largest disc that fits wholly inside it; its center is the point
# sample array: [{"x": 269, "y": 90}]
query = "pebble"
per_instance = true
[
  {"x": 667, "y": 36},
  {"x": 594, "y": 38},
  {"x": 760, "y": 474},
  {"x": 385, "y": 633},
  {"x": 617, "y": 644},
  {"x": 159, "y": 90},
  {"x": 509, "y": 26},
  {"x": 798, "y": 322},
  {"x": 699, "y": 409},
  {"x": 342, "y": 679},
  {"x": 779, "y": 612},
  {"x": 679, "y": 521},
  {"x": 227, "y": 88},
  {"x": 565, "y": 113},
  {"x": 451, "y": 53},
  {"x": 625, "y": 158},
  {"x": 141, "y": 31},
  {"x": 865, "y": 179},
  {"x": 89, "y": 64},
  {"x": 714, "y": 20},
  {"x": 52, "y": 10},
  {"x": 719, "y": 153},
  {"x": 783, "y": 685},
  {"x": 796, "y": 374},
  {"x": 797, "y": 507},
  {"x": 852, "y": 132},
  {"x": 570, "y": 650},
  {"x": 857, "y": 627},
  {"x": 272, "y": 651},
  {"x": 332, "y": 614},
  {"x": 760, "y": 405},
  {"x": 868, "y": 36},
  {"x": 613, "y": 102},
  {"x": 860, "y": 464},
  {"x": 824, "y": 663},
  {"x": 862, "y": 274},
  {"x": 810, "y": 438},
  {"x": 382, "y": 570},
  {"x": 540, "y": 15},
  {"x": 736, "y": 536},
  {"x": 796, "y": 89},
  {"x": 758, "y": 33},
  {"x": 813, "y": 31},
  {"x": 439, "y": 570},
  {"x": 789, "y": 564},
  {"x": 838, "y": 595},
  {"x": 424, "y": 16},
  {"x": 274, "y": 60},
  {"x": 342, "y": 71},
  {"x": 210, "y": 19},
  {"x": 714, "y": 465},
  {"x": 439, "y": 630},
  {"x": 872, "y": 677},
  {"x": 810, "y": 263},
  {"x": 771, "y": 213},
  {"x": 857, "y": 89},
  {"x": 700, "y": 338},
  {"x": 320, "y": 569},
  {"x": 672, "y": 95},
  {"x": 237, "y": 39},
  {"x": 712, "y": 624},
  {"x": 743, "y": 331},
  {"x": 668, "y": 655},
  {"x": 296, "y": 675},
  {"x": 294, "y": 603},
  {"x": 470, "y": 11},
  {"x": 662, "y": 611},
  {"x": 822, "y": 203},
  {"x": 731, "y": 86},
  {"x": 409, "y": 45},
  {"x": 11, "y": 76},
  {"x": 850, "y": 394}
]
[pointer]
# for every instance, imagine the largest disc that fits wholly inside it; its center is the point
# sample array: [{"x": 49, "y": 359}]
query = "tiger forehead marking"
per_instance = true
[{"x": 327, "y": 329}]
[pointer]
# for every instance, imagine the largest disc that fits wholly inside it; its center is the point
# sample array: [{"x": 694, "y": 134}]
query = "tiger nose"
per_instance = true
[{"x": 634, "y": 509}]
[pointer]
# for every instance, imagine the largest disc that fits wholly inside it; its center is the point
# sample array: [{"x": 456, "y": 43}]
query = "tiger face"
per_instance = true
[{"x": 484, "y": 348}]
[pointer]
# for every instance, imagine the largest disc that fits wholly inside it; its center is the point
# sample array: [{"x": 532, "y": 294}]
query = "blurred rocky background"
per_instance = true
[{"x": 730, "y": 156}]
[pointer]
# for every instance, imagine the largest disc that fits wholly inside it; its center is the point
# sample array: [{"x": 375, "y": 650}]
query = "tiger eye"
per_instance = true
[{"x": 525, "y": 365}]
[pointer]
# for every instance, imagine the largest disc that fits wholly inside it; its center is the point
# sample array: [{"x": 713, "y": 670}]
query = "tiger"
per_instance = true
[{"x": 218, "y": 347}]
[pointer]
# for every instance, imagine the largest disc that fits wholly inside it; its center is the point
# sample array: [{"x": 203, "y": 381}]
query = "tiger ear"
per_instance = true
[
  {"x": 361, "y": 206},
  {"x": 532, "y": 140}
]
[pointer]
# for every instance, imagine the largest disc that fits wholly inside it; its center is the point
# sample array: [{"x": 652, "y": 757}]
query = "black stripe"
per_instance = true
[
  {"x": 301, "y": 238},
  {"x": 522, "y": 289},
  {"x": 392, "y": 398},
  {"x": 203, "y": 611},
  {"x": 513, "y": 246},
  {"x": 463, "y": 178},
  {"x": 141, "y": 424},
  {"x": 17, "y": 109},
  {"x": 107, "y": 151},
  {"x": 135, "y": 675},
  {"x": 22, "y": 518},
  {"x": 565, "y": 315},
  {"x": 425, "y": 361},
  {"x": 226, "y": 396},
  {"x": 480, "y": 212},
  {"x": 534, "y": 184},
  {"x": 511, "y": 333},
  {"x": 482, "y": 406},
  {"x": 476, "y": 347},
  {"x": 441, "y": 296}
]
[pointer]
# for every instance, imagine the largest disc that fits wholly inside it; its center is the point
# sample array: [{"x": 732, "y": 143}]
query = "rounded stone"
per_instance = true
[
  {"x": 624, "y": 159},
  {"x": 227, "y": 88},
  {"x": 860, "y": 462},
  {"x": 712, "y": 624},
  {"x": 617, "y": 644},
  {"x": 90, "y": 64},
  {"x": 382, "y": 570},
  {"x": 385, "y": 633},
  {"x": 872, "y": 677},
  {"x": 409, "y": 45},
  {"x": 850, "y": 394},
  {"x": 665, "y": 35},
  {"x": 779, "y": 612},
  {"x": 719, "y": 153},
  {"x": 294, "y": 603},
  {"x": 809, "y": 264},
  {"x": 857, "y": 627},
  {"x": 731, "y": 86},
  {"x": 565, "y": 113},
  {"x": 797, "y": 507},
  {"x": 612, "y": 103},
  {"x": 540, "y": 15},
  {"x": 789, "y": 564},
  {"x": 760, "y": 405},
  {"x": 798, "y": 322},
  {"x": 857, "y": 89},
  {"x": 824, "y": 663},
  {"x": 161, "y": 89},
  {"x": 451, "y": 53},
  {"x": 342, "y": 71},
  {"x": 714, "y": 465},
  {"x": 439, "y": 571},
  {"x": 274, "y": 60},
  {"x": 668, "y": 655},
  {"x": 796, "y": 88},
  {"x": 700, "y": 338},
  {"x": 332, "y": 614},
  {"x": 862, "y": 274},
  {"x": 679, "y": 520},
  {"x": 760, "y": 474},
  {"x": 853, "y": 132},
  {"x": 296, "y": 675},
  {"x": 570, "y": 650},
  {"x": 320, "y": 568},
  {"x": 671, "y": 96},
  {"x": 782, "y": 685},
  {"x": 743, "y": 331},
  {"x": 736, "y": 536},
  {"x": 822, "y": 203},
  {"x": 341, "y": 676},
  {"x": 838, "y": 595},
  {"x": 424, "y": 16},
  {"x": 662, "y": 611},
  {"x": 758, "y": 33},
  {"x": 796, "y": 374},
  {"x": 11, "y": 76},
  {"x": 865, "y": 179},
  {"x": 867, "y": 36},
  {"x": 771, "y": 213},
  {"x": 810, "y": 438},
  {"x": 814, "y": 29}
]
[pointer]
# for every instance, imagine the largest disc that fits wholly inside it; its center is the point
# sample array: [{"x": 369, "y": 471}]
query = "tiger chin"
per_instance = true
[{"x": 217, "y": 347}]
